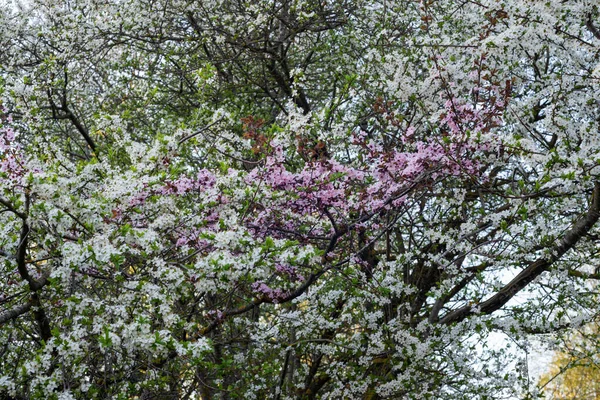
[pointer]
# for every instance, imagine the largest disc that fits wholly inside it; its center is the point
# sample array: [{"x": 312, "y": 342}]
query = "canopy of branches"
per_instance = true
[{"x": 293, "y": 199}]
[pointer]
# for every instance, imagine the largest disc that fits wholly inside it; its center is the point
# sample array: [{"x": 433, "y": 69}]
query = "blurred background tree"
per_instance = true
[{"x": 574, "y": 373}]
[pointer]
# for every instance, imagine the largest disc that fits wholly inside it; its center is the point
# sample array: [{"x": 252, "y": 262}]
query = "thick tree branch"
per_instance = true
[
  {"x": 536, "y": 268},
  {"x": 21, "y": 252},
  {"x": 590, "y": 25},
  {"x": 14, "y": 312},
  {"x": 34, "y": 284},
  {"x": 11, "y": 208}
]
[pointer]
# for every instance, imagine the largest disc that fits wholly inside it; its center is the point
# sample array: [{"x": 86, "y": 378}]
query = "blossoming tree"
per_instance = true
[{"x": 292, "y": 199}]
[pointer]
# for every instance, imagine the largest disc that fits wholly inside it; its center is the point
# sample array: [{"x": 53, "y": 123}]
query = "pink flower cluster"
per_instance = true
[
  {"x": 275, "y": 295},
  {"x": 325, "y": 195},
  {"x": 289, "y": 271}
]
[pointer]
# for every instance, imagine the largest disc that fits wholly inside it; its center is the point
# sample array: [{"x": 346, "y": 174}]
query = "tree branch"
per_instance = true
[
  {"x": 68, "y": 114},
  {"x": 10, "y": 207},
  {"x": 536, "y": 268},
  {"x": 579, "y": 274},
  {"x": 590, "y": 25},
  {"x": 14, "y": 313},
  {"x": 439, "y": 304}
]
